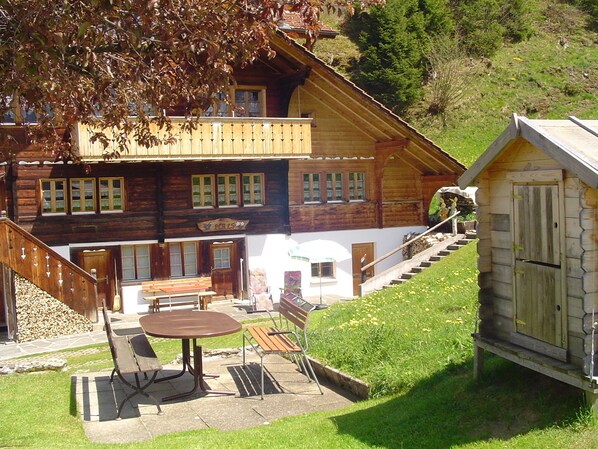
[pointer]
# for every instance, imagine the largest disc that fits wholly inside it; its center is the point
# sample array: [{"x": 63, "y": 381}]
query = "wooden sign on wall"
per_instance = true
[{"x": 222, "y": 224}]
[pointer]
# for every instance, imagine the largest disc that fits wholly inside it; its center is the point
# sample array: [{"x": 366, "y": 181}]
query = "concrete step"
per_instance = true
[
  {"x": 397, "y": 281},
  {"x": 418, "y": 269},
  {"x": 407, "y": 276},
  {"x": 444, "y": 252},
  {"x": 454, "y": 247},
  {"x": 435, "y": 258},
  {"x": 426, "y": 263}
]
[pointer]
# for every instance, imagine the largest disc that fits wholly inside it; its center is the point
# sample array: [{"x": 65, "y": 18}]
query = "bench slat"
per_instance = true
[
  {"x": 293, "y": 313},
  {"x": 146, "y": 358},
  {"x": 273, "y": 343},
  {"x": 124, "y": 361}
]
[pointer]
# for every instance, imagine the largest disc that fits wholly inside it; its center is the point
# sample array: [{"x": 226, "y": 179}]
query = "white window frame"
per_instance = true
[
  {"x": 356, "y": 186},
  {"x": 218, "y": 259},
  {"x": 261, "y": 92},
  {"x": 111, "y": 190},
  {"x": 252, "y": 189},
  {"x": 183, "y": 255},
  {"x": 330, "y": 266},
  {"x": 334, "y": 187},
  {"x": 227, "y": 194},
  {"x": 311, "y": 186}
]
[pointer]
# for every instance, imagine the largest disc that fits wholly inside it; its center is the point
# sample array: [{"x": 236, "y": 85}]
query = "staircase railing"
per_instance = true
[
  {"x": 409, "y": 242},
  {"x": 44, "y": 267}
]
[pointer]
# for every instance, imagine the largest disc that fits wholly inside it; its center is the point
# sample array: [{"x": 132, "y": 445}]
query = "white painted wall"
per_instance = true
[{"x": 271, "y": 253}]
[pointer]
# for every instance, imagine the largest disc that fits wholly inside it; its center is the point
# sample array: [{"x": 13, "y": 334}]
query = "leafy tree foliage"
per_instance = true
[
  {"x": 392, "y": 41},
  {"x": 591, "y": 7},
  {"x": 97, "y": 61}
]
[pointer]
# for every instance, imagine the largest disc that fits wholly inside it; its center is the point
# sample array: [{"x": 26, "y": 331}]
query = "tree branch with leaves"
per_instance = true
[{"x": 99, "y": 62}]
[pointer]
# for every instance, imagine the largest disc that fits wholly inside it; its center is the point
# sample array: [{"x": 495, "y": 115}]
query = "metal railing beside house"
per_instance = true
[
  {"x": 452, "y": 218},
  {"x": 39, "y": 264}
]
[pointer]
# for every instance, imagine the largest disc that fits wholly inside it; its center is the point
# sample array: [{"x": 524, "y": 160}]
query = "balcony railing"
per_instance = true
[{"x": 213, "y": 138}]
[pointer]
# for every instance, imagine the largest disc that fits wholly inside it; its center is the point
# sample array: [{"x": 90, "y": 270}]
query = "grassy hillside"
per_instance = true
[{"x": 552, "y": 75}]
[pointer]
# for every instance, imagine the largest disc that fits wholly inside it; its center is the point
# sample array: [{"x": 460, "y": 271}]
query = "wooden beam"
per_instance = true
[{"x": 349, "y": 114}]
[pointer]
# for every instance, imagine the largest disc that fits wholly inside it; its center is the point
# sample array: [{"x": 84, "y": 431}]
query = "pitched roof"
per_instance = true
[
  {"x": 373, "y": 117},
  {"x": 573, "y": 143}
]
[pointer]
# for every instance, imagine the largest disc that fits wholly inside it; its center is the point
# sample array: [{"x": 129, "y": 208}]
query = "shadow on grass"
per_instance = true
[{"x": 450, "y": 408}]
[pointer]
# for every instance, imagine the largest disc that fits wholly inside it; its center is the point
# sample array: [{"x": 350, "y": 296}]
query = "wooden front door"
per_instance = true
[
  {"x": 224, "y": 262},
  {"x": 538, "y": 284},
  {"x": 101, "y": 261},
  {"x": 359, "y": 251}
]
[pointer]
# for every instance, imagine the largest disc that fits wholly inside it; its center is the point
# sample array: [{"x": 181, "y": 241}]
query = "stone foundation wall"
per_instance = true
[{"x": 40, "y": 316}]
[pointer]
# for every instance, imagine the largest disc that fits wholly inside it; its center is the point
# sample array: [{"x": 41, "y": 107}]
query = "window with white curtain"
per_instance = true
[
  {"x": 136, "y": 262},
  {"x": 183, "y": 259}
]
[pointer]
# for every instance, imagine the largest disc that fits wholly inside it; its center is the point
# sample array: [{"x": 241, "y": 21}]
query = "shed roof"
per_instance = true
[{"x": 573, "y": 143}]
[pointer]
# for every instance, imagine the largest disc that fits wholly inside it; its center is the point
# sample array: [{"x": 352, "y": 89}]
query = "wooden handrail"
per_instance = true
[
  {"x": 385, "y": 256},
  {"x": 38, "y": 263}
]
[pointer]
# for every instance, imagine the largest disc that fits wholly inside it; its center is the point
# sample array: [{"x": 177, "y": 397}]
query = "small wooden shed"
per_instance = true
[{"x": 538, "y": 249}]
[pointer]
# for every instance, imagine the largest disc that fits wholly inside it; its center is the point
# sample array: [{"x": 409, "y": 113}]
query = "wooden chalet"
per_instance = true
[
  {"x": 312, "y": 156},
  {"x": 538, "y": 249}
]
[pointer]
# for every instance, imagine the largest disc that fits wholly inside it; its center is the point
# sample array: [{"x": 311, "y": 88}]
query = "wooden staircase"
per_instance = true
[
  {"x": 24, "y": 254},
  {"x": 463, "y": 240},
  {"x": 409, "y": 268}
]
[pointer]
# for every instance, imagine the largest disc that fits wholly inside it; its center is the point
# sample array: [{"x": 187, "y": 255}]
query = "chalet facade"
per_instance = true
[
  {"x": 538, "y": 249},
  {"x": 312, "y": 156}
]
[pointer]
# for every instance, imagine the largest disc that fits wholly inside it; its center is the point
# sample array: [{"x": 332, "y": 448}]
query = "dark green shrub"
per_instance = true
[{"x": 392, "y": 43}]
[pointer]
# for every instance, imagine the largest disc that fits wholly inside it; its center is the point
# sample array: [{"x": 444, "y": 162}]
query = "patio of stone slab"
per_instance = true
[{"x": 287, "y": 393}]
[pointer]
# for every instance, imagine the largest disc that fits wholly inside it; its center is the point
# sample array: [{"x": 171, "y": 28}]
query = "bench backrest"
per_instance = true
[
  {"x": 201, "y": 283},
  {"x": 108, "y": 327},
  {"x": 295, "y": 312}
]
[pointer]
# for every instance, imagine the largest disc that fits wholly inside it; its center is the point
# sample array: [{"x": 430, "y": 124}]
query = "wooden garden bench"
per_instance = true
[
  {"x": 283, "y": 338},
  {"x": 132, "y": 354},
  {"x": 174, "y": 289}
]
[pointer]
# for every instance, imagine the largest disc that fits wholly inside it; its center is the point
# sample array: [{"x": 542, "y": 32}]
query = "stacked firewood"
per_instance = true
[
  {"x": 40, "y": 316},
  {"x": 425, "y": 242}
]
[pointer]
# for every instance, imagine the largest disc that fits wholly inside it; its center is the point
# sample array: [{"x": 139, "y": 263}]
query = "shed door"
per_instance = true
[{"x": 538, "y": 294}]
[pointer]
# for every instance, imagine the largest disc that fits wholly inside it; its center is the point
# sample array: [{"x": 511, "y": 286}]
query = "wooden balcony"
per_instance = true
[{"x": 214, "y": 138}]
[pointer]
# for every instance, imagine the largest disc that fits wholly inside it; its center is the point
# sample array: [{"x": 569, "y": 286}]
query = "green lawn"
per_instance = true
[{"x": 412, "y": 344}]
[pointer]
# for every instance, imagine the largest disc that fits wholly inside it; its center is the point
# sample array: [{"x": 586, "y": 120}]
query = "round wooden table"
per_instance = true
[{"x": 190, "y": 325}]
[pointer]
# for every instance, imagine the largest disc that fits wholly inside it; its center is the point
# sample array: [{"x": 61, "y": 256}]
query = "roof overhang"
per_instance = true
[{"x": 573, "y": 143}]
